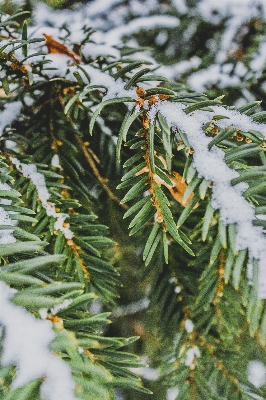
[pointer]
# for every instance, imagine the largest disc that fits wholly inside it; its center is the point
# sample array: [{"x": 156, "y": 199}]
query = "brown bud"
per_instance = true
[
  {"x": 257, "y": 24},
  {"x": 139, "y": 102},
  {"x": 163, "y": 96},
  {"x": 152, "y": 100},
  {"x": 140, "y": 91},
  {"x": 190, "y": 150},
  {"x": 239, "y": 137},
  {"x": 69, "y": 89},
  {"x": 159, "y": 218},
  {"x": 145, "y": 122},
  {"x": 23, "y": 68}
]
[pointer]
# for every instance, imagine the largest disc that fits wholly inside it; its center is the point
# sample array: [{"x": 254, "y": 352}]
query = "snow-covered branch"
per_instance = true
[
  {"x": 26, "y": 345},
  {"x": 210, "y": 164},
  {"x": 30, "y": 171}
]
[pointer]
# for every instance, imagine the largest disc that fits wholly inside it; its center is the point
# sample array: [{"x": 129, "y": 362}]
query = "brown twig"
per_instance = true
[
  {"x": 90, "y": 157},
  {"x": 103, "y": 181}
]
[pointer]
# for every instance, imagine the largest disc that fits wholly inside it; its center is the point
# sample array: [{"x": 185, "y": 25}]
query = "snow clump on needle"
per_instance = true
[
  {"x": 24, "y": 336},
  {"x": 30, "y": 171}
]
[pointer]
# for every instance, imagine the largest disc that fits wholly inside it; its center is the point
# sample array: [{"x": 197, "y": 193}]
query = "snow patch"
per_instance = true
[
  {"x": 24, "y": 336},
  {"x": 30, "y": 171}
]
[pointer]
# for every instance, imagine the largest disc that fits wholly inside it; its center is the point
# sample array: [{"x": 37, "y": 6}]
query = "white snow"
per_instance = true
[
  {"x": 173, "y": 71},
  {"x": 245, "y": 9},
  {"x": 111, "y": 20},
  {"x": 258, "y": 61},
  {"x": 212, "y": 75},
  {"x": 97, "y": 7},
  {"x": 97, "y": 77},
  {"x": 6, "y": 234},
  {"x": 55, "y": 162},
  {"x": 148, "y": 373},
  {"x": 161, "y": 38},
  {"x": 107, "y": 17},
  {"x": 54, "y": 310},
  {"x": 257, "y": 373},
  {"x": 30, "y": 171},
  {"x": 26, "y": 336},
  {"x": 210, "y": 164},
  {"x": 43, "y": 312},
  {"x": 59, "y": 64},
  {"x": 115, "y": 35},
  {"x": 189, "y": 326},
  {"x": 9, "y": 113},
  {"x": 95, "y": 50},
  {"x": 180, "y": 5},
  {"x": 191, "y": 354},
  {"x": 172, "y": 394}
]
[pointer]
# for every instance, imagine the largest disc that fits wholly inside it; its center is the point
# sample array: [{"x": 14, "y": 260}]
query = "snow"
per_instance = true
[
  {"x": 26, "y": 336},
  {"x": 246, "y": 9},
  {"x": 58, "y": 65},
  {"x": 4, "y": 186},
  {"x": 9, "y": 113},
  {"x": 30, "y": 171},
  {"x": 189, "y": 326},
  {"x": 115, "y": 35},
  {"x": 111, "y": 20},
  {"x": 150, "y": 374},
  {"x": 191, "y": 354},
  {"x": 115, "y": 88},
  {"x": 257, "y": 373},
  {"x": 6, "y": 236},
  {"x": 132, "y": 308},
  {"x": 43, "y": 312},
  {"x": 173, "y": 71},
  {"x": 212, "y": 75},
  {"x": 94, "y": 50},
  {"x": 161, "y": 38},
  {"x": 55, "y": 162},
  {"x": 54, "y": 310},
  {"x": 105, "y": 16},
  {"x": 97, "y": 7},
  {"x": 49, "y": 21},
  {"x": 172, "y": 394},
  {"x": 235, "y": 15},
  {"x": 180, "y": 5},
  {"x": 259, "y": 60},
  {"x": 61, "y": 67},
  {"x": 210, "y": 164}
]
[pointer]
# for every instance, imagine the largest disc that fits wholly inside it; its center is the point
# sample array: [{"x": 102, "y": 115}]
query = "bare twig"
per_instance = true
[{"x": 103, "y": 181}]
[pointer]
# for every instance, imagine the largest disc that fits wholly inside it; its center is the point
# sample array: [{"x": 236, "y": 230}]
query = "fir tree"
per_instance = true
[{"x": 95, "y": 135}]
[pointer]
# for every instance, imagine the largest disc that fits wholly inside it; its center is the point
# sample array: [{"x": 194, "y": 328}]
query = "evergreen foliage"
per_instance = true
[{"x": 90, "y": 140}]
